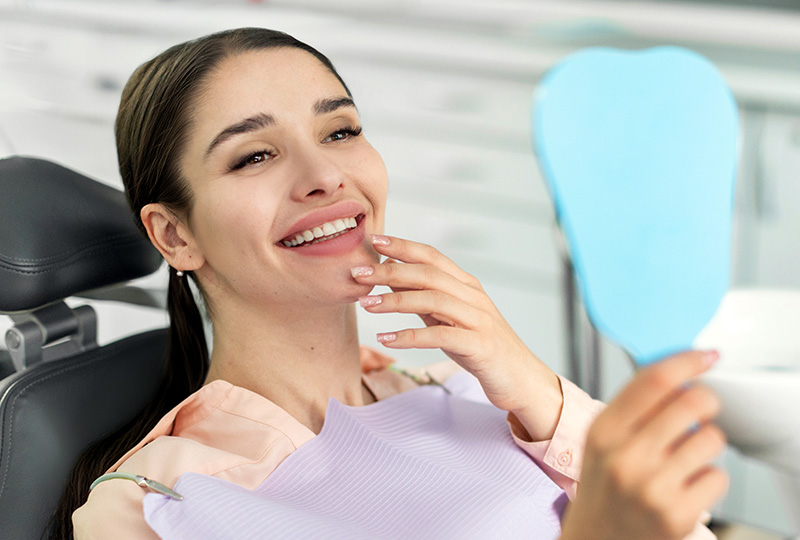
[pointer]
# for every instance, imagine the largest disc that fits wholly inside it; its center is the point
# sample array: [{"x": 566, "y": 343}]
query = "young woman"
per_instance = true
[{"x": 244, "y": 161}]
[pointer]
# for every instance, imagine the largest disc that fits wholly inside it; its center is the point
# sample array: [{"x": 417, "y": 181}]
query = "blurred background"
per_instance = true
[{"x": 444, "y": 88}]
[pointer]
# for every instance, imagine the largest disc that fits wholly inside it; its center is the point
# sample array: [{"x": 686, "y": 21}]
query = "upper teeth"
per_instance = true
[{"x": 326, "y": 229}]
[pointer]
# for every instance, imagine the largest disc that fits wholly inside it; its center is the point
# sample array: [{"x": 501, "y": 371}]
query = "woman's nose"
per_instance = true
[{"x": 316, "y": 175}]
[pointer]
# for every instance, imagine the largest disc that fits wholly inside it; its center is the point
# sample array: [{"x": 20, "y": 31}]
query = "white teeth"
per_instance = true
[{"x": 326, "y": 229}]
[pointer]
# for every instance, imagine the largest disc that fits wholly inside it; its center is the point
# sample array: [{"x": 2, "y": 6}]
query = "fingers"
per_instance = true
[
  {"x": 707, "y": 487},
  {"x": 408, "y": 251},
  {"x": 685, "y": 508},
  {"x": 428, "y": 284},
  {"x": 653, "y": 386},
  {"x": 676, "y": 415},
  {"x": 413, "y": 276},
  {"x": 443, "y": 307},
  {"x": 692, "y": 457},
  {"x": 448, "y": 338},
  {"x": 455, "y": 320}
]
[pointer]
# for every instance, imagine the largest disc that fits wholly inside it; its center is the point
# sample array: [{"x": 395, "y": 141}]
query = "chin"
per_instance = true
[{"x": 354, "y": 292}]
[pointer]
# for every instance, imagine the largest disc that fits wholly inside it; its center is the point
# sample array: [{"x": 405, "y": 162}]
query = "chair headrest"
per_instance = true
[{"x": 62, "y": 234}]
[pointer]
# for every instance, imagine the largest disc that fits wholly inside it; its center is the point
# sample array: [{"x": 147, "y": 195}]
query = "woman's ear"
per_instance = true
[{"x": 171, "y": 237}]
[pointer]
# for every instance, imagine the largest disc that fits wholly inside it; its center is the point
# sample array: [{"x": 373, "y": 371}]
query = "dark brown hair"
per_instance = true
[{"x": 151, "y": 128}]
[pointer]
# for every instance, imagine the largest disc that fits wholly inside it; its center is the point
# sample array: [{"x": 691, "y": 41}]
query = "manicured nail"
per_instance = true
[
  {"x": 367, "y": 301},
  {"x": 710, "y": 357},
  {"x": 362, "y": 271},
  {"x": 380, "y": 240},
  {"x": 387, "y": 337}
]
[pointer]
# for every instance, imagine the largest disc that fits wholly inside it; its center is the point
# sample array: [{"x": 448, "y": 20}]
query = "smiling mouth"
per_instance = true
[{"x": 322, "y": 233}]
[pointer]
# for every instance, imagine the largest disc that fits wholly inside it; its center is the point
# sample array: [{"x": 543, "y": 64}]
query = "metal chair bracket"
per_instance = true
[{"x": 49, "y": 333}]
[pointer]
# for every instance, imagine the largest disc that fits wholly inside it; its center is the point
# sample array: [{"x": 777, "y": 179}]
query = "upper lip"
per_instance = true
[{"x": 317, "y": 217}]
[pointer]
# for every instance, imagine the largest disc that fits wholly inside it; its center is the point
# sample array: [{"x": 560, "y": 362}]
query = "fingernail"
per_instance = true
[
  {"x": 362, "y": 271},
  {"x": 387, "y": 337},
  {"x": 367, "y": 301},
  {"x": 380, "y": 240},
  {"x": 710, "y": 357}
]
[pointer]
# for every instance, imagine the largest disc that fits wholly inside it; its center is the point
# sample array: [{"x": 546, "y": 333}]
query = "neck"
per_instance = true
[{"x": 321, "y": 360}]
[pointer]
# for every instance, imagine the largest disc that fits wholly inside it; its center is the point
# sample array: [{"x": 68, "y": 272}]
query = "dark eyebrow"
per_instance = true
[
  {"x": 329, "y": 105},
  {"x": 247, "y": 125},
  {"x": 263, "y": 120}
]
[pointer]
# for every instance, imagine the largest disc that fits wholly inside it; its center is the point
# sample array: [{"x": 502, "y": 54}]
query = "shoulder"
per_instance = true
[
  {"x": 215, "y": 430},
  {"x": 221, "y": 430}
]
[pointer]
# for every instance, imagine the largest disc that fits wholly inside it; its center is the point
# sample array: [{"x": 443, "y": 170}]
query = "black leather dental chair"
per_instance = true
[{"x": 63, "y": 235}]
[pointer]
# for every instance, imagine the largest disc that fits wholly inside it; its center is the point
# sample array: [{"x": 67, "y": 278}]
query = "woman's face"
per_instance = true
[{"x": 275, "y": 156}]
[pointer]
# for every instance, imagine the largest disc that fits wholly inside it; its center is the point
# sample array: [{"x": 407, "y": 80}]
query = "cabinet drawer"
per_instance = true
[
  {"x": 493, "y": 113},
  {"x": 493, "y": 242},
  {"x": 489, "y": 172}
]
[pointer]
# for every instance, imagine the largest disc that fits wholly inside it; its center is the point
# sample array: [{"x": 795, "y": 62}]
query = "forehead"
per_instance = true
[{"x": 281, "y": 82}]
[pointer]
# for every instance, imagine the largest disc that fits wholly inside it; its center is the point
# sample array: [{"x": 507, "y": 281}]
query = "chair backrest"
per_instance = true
[
  {"x": 50, "y": 413},
  {"x": 63, "y": 233},
  {"x": 639, "y": 151}
]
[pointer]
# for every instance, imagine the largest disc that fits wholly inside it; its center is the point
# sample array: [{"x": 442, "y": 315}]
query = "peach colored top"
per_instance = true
[{"x": 237, "y": 435}]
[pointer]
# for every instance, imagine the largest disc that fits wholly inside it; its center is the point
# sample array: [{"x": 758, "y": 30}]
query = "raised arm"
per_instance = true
[{"x": 461, "y": 320}]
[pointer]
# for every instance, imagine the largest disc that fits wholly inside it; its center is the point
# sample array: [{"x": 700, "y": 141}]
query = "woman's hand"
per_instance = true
[
  {"x": 461, "y": 320},
  {"x": 647, "y": 470}
]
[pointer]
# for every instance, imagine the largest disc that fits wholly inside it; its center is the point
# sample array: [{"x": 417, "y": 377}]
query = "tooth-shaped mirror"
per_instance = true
[{"x": 639, "y": 151}]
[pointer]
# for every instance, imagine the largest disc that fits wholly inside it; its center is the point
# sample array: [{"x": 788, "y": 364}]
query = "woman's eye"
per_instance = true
[
  {"x": 252, "y": 159},
  {"x": 343, "y": 134}
]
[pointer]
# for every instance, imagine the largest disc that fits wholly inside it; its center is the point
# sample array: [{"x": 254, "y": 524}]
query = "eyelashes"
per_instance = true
[
  {"x": 252, "y": 159},
  {"x": 344, "y": 134},
  {"x": 261, "y": 156}
]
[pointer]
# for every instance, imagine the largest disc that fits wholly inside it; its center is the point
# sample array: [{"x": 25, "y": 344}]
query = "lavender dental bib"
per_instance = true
[{"x": 421, "y": 464}]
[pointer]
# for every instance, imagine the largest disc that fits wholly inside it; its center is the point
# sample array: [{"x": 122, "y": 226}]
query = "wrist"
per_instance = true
[{"x": 539, "y": 414}]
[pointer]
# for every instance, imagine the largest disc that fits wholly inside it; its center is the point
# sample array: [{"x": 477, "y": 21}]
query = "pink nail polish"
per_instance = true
[
  {"x": 362, "y": 271},
  {"x": 387, "y": 337},
  {"x": 710, "y": 357},
  {"x": 380, "y": 240},
  {"x": 367, "y": 301}
]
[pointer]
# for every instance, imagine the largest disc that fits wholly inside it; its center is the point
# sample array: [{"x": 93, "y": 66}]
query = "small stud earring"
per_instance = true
[{"x": 179, "y": 273}]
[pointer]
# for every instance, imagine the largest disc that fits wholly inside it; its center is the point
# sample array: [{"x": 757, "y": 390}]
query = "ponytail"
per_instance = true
[
  {"x": 185, "y": 370},
  {"x": 187, "y": 349}
]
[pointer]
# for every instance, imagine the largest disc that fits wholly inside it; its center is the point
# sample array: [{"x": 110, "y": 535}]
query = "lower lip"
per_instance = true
[{"x": 344, "y": 243}]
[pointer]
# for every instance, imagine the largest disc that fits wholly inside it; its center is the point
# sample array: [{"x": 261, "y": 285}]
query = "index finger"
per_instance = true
[
  {"x": 656, "y": 383},
  {"x": 408, "y": 251}
]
